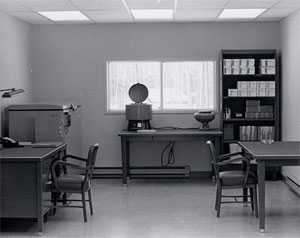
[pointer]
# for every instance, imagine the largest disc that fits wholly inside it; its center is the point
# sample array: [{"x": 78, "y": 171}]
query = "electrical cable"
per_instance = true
[{"x": 170, "y": 158}]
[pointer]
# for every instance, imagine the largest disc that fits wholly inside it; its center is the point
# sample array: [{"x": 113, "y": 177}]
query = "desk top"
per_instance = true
[
  {"x": 276, "y": 150},
  {"x": 174, "y": 132},
  {"x": 27, "y": 153}
]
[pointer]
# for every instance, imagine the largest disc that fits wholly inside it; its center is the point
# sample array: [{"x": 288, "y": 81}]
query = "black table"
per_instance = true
[
  {"x": 275, "y": 154},
  {"x": 162, "y": 135},
  {"x": 25, "y": 176}
]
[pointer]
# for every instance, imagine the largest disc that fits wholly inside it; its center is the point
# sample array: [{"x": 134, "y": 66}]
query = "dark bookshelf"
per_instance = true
[{"x": 245, "y": 76}]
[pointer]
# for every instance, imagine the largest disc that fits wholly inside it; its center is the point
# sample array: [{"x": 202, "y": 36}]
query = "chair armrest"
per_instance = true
[
  {"x": 225, "y": 156},
  {"x": 64, "y": 163},
  {"x": 229, "y": 161},
  {"x": 74, "y": 157}
]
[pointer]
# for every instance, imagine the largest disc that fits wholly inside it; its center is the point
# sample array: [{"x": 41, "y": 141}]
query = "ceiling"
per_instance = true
[{"x": 99, "y": 11}]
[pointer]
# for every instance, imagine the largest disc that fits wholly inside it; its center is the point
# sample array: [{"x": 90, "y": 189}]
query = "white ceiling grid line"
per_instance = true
[{"x": 120, "y": 10}]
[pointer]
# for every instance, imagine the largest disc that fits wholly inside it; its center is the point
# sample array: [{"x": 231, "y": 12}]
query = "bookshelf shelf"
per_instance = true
[
  {"x": 248, "y": 120},
  {"x": 257, "y": 106}
]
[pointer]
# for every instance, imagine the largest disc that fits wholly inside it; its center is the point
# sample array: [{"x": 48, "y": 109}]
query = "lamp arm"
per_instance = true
[{"x": 7, "y": 89}]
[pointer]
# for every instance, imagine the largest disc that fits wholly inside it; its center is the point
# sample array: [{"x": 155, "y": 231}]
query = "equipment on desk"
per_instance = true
[
  {"x": 10, "y": 92},
  {"x": 9, "y": 142},
  {"x": 138, "y": 113},
  {"x": 38, "y": 122},
  {"x": 204, "y": 117}
]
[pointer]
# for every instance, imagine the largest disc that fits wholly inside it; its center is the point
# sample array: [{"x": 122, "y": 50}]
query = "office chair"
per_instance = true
[
  {"x": 66, "y": 182},
  {"x": 243, "y": 178}
]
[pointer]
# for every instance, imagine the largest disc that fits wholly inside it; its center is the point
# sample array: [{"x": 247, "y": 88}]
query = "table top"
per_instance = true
[
  {"x": 276, "y": 150},
  {"x": 27, "y": 153},
  {"x": 174, "y": 132}
]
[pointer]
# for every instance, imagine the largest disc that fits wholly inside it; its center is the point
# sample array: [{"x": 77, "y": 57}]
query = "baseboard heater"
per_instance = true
[
  {"x": 144, "y": 172},
  {"x": 294, "y": 186}
]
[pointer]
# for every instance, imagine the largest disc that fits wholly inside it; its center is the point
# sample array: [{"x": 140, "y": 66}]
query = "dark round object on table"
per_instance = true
[
  {"x": 205, "y": 117},
  {"x": 138, "y": 93}
]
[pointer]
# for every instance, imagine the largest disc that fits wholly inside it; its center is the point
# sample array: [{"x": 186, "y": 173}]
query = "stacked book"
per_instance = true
[
  {"x": 256, "y": 133},
  {"x": 255, "y": 110},
  {"x": 253, "y": 89},
  {"x": 268, "y": 66},
  {"x": 239, "y": 66}
]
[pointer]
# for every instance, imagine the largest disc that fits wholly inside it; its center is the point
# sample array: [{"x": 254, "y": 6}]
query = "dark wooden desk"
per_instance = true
[
  {"x": 161, "y": 135},
  {"x": 276, "y": 154},
  {"x": 24, "y": 176}
]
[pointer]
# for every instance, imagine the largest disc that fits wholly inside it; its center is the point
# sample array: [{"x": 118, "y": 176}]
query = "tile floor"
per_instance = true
[{"x": 164, "y": 208}]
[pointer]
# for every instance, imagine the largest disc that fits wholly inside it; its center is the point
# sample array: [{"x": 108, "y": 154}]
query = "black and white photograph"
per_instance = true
[{"x": 150, "y": 118}]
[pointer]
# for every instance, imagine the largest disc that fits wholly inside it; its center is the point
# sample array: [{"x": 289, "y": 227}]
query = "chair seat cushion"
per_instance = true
[
  {"x": 235, "y": 178},
  {"x": 71, "y": 183}
]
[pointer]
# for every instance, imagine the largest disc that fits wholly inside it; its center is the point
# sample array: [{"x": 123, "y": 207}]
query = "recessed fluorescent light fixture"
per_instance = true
[
  {"x": 152, "y": 14},
  {"x": 241, "y": 13},
  {"x": 64, "y": 15}
]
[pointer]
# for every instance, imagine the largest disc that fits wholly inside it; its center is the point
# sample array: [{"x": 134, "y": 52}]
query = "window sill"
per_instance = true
[{"x": 157, "y": 112}]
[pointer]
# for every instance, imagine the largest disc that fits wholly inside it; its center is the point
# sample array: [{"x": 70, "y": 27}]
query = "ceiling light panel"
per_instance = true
[
  {"x": 241, "y": 13},
  {"x": 108, "y": 16},
  {"x": 197, "y": 15},
  {"x": 64, "y": 16},
  {"x": 150, "y": 4},
  {"x": 201, "y": 4},
  {"x": 251, "y": 3},
  {"x": 47, "y": 5},
  {"x": 109, "y": 5},
  {"x": 152, "y": 14}
]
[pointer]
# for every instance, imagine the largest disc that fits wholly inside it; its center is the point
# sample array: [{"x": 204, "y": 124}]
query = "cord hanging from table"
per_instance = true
[{"x": 170, "y": 158}]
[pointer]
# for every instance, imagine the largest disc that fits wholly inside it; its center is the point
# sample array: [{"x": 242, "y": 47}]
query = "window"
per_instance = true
[{"x": 173, "y": 86}]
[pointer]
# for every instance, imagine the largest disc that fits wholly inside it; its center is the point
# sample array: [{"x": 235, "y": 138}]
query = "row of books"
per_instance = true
[
  {"x": 253, "y": 89},
  {"x": 267, "y": 66},
  {"x": 255, "y": 110},
  {"x": 247, "y": 66},
  {"x": 262, "y": 92},
  {"x": 256, "y": 133}
]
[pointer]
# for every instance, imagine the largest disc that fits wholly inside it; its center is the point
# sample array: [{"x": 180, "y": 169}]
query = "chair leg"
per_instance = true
[
  {"x": 216, "y": 201},
  {"x": 54, "y": 199},
  {"x": 84, "y": 206},
  {"x": 252, "y": 199},
  {"x": 219, "y": 200},
  {"x": 255, "y": 201},
  {"x": 90, "y": 202}
]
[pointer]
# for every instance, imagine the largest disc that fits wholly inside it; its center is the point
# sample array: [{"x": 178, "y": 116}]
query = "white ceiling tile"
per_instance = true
[
  {"x": 99, "y": 4},
  {"x": 288, "y": 4},
  {"x": 251, "y": 3},
  {"x": 197, "y": 15},
  {"x": 150, "y": 4},
  {"x": 108, "y": 16},
  {"x": 11, "y": 5},
  {"x": 277, "y": 13},
  {"x": 48, "y": 5},
  {"x": 31, "y": 17},
  {"x": 200, "y": 4}
]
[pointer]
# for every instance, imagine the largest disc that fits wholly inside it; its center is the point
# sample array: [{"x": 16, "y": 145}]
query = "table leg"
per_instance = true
[
  {"x": 217, "y": 144},
  {"x": 128, "y": 158},
  {"x": 124, "y": 159},
  {"x": 261, "y": 194}
]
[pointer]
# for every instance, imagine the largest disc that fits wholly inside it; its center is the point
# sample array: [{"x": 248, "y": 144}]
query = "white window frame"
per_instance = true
[{"x": 161, "y": 110}]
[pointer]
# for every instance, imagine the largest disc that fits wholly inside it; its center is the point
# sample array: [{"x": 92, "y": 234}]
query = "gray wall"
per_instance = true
[
  {"x": 290, "y": 38},
  {"x": 14, "y": 59},
  {"x": 69, "y": 66}
]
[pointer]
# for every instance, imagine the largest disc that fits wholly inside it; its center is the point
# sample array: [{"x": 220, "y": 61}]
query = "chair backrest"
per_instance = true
[
  {"x": 91, "y": 160},
  {"x": 214, "y": 158}
]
